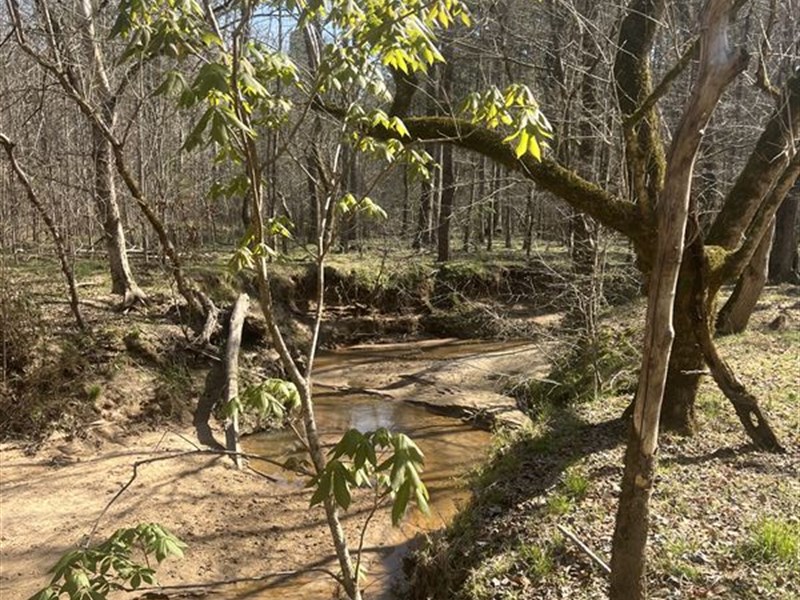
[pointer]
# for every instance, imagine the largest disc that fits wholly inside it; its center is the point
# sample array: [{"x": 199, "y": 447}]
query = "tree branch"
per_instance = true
[{"x": 587, "y": 197}]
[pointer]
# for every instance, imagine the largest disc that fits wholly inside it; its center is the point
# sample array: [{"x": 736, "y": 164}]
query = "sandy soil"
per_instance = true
[{"x": 237, "y": 524}]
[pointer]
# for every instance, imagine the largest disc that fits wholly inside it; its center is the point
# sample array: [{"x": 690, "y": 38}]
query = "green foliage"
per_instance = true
[
  {"x": 271, "y": 401},
  {"x": 388, "y": 462},
  {"x": 774, "y": 540},
  {"x": 576, "y": 484},
  {"x": 514, "y": 107},
  {"x": 93, "y": 573},
  {"x": 365, "y": 205},
  {"x": 559, "y": 504},
  {"x": 538, "y": 561}
]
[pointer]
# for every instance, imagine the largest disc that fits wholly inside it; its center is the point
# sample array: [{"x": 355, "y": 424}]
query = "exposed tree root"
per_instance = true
[
  {"x": 211, "y": 315},
  {"x": 133, "y": 296},
  {"x": 744, "y": 403}
]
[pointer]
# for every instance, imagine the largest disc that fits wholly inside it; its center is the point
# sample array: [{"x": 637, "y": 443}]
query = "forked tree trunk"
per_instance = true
[{"x": 719, "y": 65}]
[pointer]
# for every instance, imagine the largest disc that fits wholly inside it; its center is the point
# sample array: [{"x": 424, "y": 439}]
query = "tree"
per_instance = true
[
  {"x": 247, "y": 91},
  {"x": 100, "y": 112},
  {"x": 719, "y": 65},
  {"x": 84, "y": 73}
]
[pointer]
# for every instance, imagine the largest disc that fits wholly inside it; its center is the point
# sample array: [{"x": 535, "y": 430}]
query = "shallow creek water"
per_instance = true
[{"x": 451, "y": 449}]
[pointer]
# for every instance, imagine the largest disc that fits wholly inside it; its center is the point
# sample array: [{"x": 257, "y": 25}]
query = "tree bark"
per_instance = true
[
  {"x": 105, "y": 197},
  {"x": 448, "y": 196},
  {"x": 422, "y": 235}
]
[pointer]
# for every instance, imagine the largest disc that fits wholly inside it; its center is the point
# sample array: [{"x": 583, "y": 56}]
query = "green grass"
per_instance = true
[
  {"x": 773, "y": 540},
  {"x": 576, "y": 484},
  {"x": 559, "y": 504},
  {"x": 538, "y": 561}
]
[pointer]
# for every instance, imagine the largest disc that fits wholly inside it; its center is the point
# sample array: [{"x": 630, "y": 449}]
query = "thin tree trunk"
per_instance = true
[
  {"x": 468, "y": 219},
  {"x": 448, "y": 197},
  {"x": 527, "y": 243},
  {"x": 61, "y": 252}
]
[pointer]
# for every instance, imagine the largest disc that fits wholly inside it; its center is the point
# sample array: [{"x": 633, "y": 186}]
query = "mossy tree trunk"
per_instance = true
[{"x": 686, "y": 364}]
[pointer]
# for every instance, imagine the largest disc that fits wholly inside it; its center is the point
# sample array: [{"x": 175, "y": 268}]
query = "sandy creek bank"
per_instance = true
[{"x": 239, "y": 524}]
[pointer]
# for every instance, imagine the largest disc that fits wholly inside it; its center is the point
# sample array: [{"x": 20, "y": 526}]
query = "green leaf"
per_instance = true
[
  {"x": 400, "y": 502},
  {"x": 323, "y": 490},
  {"x": 212, "y": 76},
  {"x": 47, "y": 593},
  {"x": 522, "y": 145},
  {"x": 341, "y": 489},
  {"x": 534, "y": 148}
]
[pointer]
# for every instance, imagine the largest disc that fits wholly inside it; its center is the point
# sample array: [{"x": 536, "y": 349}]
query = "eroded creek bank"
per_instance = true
[{"x": 240, "y": 525}]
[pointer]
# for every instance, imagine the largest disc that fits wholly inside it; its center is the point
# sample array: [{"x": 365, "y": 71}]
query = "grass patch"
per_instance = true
[
  {"x": 588, "y": 369},
  {"x": 576, "y": 484},
  {"x": 559, "y": 504},
  {"x": 773, "y": 540}
]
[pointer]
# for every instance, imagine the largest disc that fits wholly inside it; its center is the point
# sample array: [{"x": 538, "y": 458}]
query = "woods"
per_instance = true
[{"x": 386, "y": 170}]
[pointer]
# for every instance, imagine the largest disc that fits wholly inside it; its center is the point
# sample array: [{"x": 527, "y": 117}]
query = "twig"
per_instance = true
[{"x": 588, "y": 551}]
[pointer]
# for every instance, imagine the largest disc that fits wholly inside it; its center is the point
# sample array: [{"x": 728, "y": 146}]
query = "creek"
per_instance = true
[{"x": 451, "y": 447}]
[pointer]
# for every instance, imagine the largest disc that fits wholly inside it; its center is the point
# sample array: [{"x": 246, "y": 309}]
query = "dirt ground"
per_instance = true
[{"x": 237, "y": 524}]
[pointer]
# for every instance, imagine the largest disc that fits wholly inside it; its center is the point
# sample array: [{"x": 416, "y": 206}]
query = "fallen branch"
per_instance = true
[{"x": 588, "y": 551}]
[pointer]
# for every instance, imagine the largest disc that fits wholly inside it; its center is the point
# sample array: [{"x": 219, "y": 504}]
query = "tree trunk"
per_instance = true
[
  {"x": 527, "y": 243},
  {"x": 423, "y": 218},
  {"x": 735, "y": 314},
  {"x": 105, "y": 197},
  {"x": 628, "y": 576},
  {"x": 470, "y": 205},
  {"x": 448, "y": 195},
  {"x": 784, "y": 260},
  {"x": 686, "y": 365},
  {"x": 105, "y": 191}
]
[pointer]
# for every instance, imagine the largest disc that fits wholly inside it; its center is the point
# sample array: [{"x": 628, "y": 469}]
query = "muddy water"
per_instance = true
[{"x": 451, "y": 449}]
